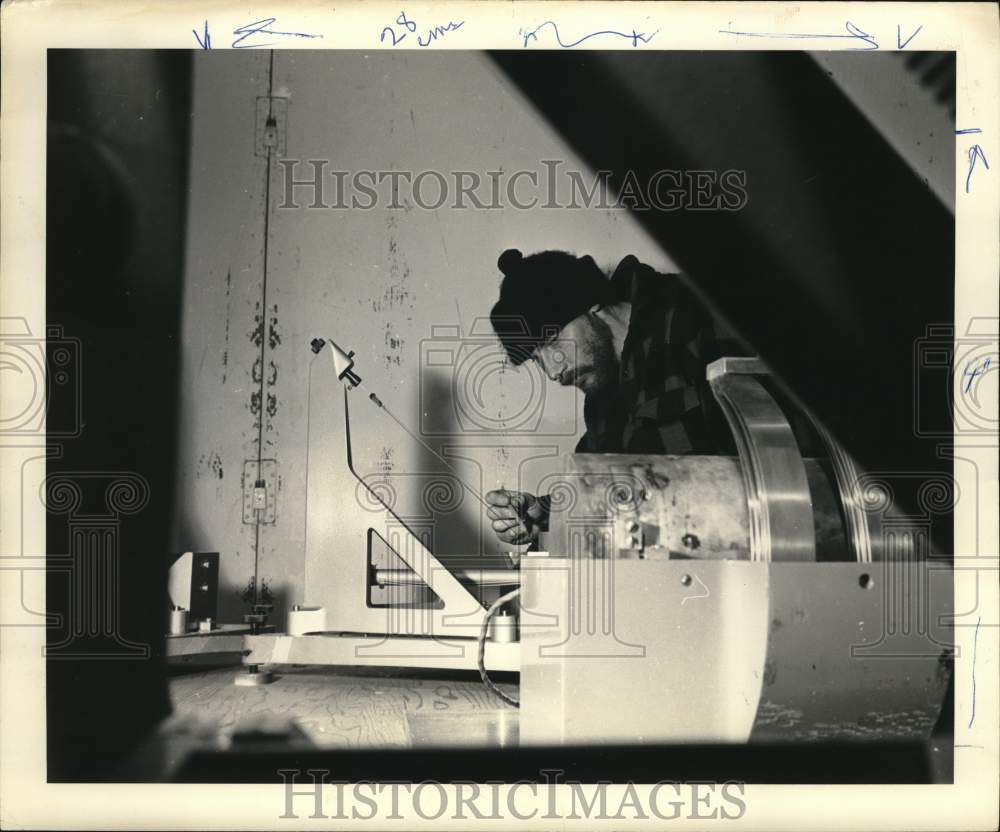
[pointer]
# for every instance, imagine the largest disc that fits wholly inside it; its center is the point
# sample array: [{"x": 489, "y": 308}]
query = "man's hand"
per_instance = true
[{"x": 517, "y": 516}]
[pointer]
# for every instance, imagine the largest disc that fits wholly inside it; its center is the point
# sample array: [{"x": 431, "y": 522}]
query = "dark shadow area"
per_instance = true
[
  {"x": 117, "y": 166},
  {"x": 814, "y": 763}
]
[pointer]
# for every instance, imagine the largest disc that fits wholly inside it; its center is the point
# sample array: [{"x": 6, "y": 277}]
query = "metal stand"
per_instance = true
[{"x": 345, "y": 519}]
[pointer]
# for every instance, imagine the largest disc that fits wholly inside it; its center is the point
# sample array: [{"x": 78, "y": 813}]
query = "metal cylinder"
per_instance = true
[
  {"x": 384, "y": 576},
  {"x": 644, "y": 506},
  {"x": 503, "y": 627},
  {"x": 178, "y": 621}
]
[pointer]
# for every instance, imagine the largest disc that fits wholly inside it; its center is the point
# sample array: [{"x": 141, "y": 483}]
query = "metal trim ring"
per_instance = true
[
  {"x": 864, "y": 532},
  {"x": 778, "y": 497}
]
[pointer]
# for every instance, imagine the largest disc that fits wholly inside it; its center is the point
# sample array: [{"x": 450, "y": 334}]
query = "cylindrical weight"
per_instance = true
[{"x": 178, "y": 621}]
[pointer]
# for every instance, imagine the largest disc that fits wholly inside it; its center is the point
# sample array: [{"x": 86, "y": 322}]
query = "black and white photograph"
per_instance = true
[{"x": 584, "y": 427}]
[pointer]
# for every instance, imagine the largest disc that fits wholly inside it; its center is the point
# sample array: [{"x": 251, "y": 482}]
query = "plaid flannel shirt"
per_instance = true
[{"x": 663, "y": 404}]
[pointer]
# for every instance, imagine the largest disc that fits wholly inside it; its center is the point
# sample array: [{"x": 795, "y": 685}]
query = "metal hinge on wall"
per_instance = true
[{"x": 271, "y": 126}]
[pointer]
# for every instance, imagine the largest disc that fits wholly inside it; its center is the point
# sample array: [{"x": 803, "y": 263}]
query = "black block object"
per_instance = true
[{"x": 194, "y": 584}]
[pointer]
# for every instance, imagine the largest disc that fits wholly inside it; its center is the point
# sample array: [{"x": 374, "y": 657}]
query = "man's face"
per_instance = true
[{"x": 581, "y": 354}]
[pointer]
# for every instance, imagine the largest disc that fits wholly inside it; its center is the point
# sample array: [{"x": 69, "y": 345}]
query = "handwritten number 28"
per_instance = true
[{"x": 403, "y": 21}]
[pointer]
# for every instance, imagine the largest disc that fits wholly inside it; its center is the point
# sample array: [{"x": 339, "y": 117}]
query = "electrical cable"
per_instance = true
[{"x": 490, "y": 686}]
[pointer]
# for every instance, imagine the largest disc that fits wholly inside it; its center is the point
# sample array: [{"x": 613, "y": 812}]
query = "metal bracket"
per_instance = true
[
  {"x": 260, "y": 491},
  {"x": 634, "y": 537},
  {"x": 271, "y": 127}
]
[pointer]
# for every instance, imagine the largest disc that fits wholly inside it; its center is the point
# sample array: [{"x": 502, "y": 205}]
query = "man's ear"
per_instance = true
[
  {"x": 600, "y": 312},
  {"x": 598, "y": 317}
]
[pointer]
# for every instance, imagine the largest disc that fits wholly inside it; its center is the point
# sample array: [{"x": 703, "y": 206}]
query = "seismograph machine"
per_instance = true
[{"x": 769, "y": 596}]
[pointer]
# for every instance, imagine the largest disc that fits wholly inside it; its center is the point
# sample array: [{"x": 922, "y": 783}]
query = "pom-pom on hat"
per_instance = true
[{"x": 540, "y": 294}]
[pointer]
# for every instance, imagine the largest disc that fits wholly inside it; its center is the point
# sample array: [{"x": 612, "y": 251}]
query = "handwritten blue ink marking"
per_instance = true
[
  {"x": 635, "y": 37},
  {"x": 432, "y": 34},
  {"x": 975, "y": 372},
  {"x": 853, "y": 33},
  {"x": 901, "y": 44},
  {"x": 438, "y": 31},
  {"x": 975, "y": 641},
  {"x": 392, "y": 34},
  {"x": 403, "y": 21},
  {"x": 205, "y": 42},
  {"x": 975, "y": 152},
  {"x": 259, "y": 27},
  {"x": 968, "y": 130}
]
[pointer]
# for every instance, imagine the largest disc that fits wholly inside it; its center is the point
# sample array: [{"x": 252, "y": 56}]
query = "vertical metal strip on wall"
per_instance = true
[{"x": 263, "y": 323}]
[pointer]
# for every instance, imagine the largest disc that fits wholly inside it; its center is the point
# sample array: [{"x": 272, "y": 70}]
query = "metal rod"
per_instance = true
[
  {"x": 475, "y": 493},
  {"x": 483, "y": 577}
]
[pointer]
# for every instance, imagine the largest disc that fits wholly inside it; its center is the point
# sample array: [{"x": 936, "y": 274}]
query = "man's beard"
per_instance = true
[
  {"x": 599, "y": 374},
  {"x": 601, "y": 377}
]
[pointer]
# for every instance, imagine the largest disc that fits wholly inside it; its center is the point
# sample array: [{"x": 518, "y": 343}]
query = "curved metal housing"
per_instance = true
[{"x": 774, "y": 475}]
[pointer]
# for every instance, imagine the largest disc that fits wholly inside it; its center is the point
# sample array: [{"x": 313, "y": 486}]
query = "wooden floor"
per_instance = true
[{"x": 349, "y": 707}]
